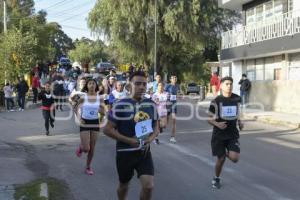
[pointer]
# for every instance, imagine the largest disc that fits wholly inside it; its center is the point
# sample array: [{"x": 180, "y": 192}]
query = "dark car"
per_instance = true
[
  {"x": 192, "y": 88},
  {"x": 105, "y": 67}
]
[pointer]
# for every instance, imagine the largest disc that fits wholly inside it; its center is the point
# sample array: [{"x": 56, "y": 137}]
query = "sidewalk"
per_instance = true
[{"x": 270, "y": 117}]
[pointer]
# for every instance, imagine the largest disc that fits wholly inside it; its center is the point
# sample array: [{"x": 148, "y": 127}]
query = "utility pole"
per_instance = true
[
  {"x": 4, "y": 30},
  {"x": 155, "y": 40}
]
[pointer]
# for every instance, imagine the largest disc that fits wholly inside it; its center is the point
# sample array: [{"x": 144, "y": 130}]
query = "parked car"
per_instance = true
[
  {"x": 192, "y": 88},
  {"x": 105, "y": 67}
]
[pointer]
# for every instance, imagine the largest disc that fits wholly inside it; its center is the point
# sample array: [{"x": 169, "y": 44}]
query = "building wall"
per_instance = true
[
  {"x": 237, "y": 71},
  {"x": 281, "y": 96}
]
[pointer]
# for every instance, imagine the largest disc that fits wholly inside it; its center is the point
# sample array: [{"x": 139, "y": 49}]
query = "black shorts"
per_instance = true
[
  {"x": 127, "y": 162},
  {"x": 219, "y": 147},
  {"x": 172, "y": 108},
  {"x": 90, "y": 125}
]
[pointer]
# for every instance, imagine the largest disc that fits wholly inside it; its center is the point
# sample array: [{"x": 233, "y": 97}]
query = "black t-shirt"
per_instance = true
[
  {"x": 226, "y": 109},
  {"x": 125, "y": 114},
  {"x": 47, "y": 98}
]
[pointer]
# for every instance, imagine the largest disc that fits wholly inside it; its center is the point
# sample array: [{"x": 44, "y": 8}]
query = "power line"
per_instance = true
[
  {"x": 73, "y": 27},
  {"x": 79, "y": 14},
  {"x": 58, "y": 3},
  {"x": 63, "y": 12}
]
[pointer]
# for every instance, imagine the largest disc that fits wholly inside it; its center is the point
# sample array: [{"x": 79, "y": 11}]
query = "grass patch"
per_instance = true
[{"x": 31, "y": 191}]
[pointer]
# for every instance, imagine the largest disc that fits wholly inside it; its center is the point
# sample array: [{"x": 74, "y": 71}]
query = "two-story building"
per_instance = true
[{"x": 266, "y": 47}]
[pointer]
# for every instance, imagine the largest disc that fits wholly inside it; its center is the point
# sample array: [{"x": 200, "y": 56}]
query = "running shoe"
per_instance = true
[
  {"x": 78, "y": 152},
  {"x": 173, "y": 140},
  {"x": 89, "y": 171},
  {"x": 47, "y": 133},
  {"x": 216, "y": 183},
  {"x": 156, "y": 141},
  {"x": 51, "y": 124}
]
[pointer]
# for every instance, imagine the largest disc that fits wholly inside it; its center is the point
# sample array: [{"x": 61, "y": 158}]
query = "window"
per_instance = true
[
  {"x": 259, "y": 13},
  {"x": 278, "y": 7},
  {"x": 250, "y": 16},
  {"x": 268, "y": 10},
  {"x": 269, "y": 68},
  {"x": 250, "y": 64},
  {"x": 294, "y": 68},
  {"x": 277, "y": 74},
  {"x": 259, "y": 69}
]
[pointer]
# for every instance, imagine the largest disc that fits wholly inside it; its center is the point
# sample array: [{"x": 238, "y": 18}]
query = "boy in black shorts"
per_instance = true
[
  {"x": 133, "y": 123},
  {"x": 224, "y": 113}
]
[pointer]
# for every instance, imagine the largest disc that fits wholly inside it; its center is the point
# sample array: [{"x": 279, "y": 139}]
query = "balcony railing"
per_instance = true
[{"x": 278, "y": 26}]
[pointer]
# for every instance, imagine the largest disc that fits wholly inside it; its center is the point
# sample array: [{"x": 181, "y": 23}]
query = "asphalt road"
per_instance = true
[{"x": 268, "y": 168}]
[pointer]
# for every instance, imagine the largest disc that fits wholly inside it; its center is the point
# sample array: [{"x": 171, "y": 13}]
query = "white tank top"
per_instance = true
[{"x": 90, "y": 110}]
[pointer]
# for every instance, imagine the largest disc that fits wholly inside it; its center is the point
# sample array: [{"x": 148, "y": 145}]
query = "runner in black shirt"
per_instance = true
[
  {"x": 224, "y": 117},
  {"x": 47, "y": 107},
  {"x": 133, "y": 123}
]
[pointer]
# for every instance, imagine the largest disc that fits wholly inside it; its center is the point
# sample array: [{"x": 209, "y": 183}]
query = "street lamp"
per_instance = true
[{"x": 155, "y": 39}]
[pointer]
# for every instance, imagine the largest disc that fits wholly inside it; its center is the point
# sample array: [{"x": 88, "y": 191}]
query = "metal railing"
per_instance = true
[{"x": 278, "y": 26}]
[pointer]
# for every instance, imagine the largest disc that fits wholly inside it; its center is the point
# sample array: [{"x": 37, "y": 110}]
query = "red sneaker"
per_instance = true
[
  {"x": 78, "y": 152},
  {"x": 89, "y": 171}
]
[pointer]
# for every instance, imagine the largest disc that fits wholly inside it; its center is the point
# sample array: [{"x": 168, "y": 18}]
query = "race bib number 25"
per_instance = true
[{"x": 143, "y": 128}]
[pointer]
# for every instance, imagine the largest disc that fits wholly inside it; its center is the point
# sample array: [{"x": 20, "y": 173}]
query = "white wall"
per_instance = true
[
  {"x": 296, "y": 5},
  {"x": 237, "y": 71}
]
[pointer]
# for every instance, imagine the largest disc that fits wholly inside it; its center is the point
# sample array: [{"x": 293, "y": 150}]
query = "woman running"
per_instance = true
[
  {"x": 161, "y": 98},
  {"x": 92, "y": 113},
  {"x": 47, "y": 107}
]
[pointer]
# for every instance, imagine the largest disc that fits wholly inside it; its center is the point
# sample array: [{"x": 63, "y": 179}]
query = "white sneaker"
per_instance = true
[
  {"x": 173, "y": 140},
  {"x": 12, "y": 110},
  {"x": 20, "y": 109}
]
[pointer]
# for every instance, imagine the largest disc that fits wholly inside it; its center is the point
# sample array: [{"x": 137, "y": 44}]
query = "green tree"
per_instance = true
[
  {"x": 88, "y": 51},
  {"x": 17, "y": 54},
  {"x": 185, "y": 30}
]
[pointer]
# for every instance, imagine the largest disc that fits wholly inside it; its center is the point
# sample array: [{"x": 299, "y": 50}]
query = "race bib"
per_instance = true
[
  {"x": 90, "y": 113},
  {"x": 143, "y": 128},
  {"x": 163, "y": 98},
  {"x": 229, "y": 111},
  {"x": 147, "y": 96},
  {"x": 173, "y": 98}
]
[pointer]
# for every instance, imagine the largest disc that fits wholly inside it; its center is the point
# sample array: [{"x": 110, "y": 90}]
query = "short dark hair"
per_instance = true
[
  {"x": 137, "y": 73},
  {"x": 48, "y": 82},
  {"x": 244, "y": 75},
  {"x": 226, "y": 78}
]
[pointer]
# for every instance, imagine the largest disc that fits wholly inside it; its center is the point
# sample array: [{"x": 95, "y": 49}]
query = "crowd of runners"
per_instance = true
[{"x": 134, "y": 111}]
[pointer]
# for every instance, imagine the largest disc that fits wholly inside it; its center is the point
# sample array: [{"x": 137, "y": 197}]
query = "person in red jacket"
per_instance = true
[
  {"x": 215, "y": 83},
  {"x": 35, "y": 86}
]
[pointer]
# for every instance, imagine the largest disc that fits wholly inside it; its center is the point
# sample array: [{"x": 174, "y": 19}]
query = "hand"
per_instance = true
[
  {"x": 82, "y": 121},
  {"x": 241, "y": 125},
  {"x": 221, "y": 125},
  {"x": 134, "y": 142}
]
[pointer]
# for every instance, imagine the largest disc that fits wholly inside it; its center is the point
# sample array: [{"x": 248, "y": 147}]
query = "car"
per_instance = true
[
  {"x": 104, "y": 67},
  {"x": 192, "y": 88}
]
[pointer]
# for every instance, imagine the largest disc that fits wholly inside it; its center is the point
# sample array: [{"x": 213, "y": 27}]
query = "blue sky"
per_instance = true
[{"x": 70, "y": 14}]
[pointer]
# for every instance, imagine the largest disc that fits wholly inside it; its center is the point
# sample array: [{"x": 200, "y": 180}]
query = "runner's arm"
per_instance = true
[{"x": 110, "y": 131}]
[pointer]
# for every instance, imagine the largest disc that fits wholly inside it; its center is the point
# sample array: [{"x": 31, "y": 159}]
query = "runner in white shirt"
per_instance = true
[
  {"x": 119, "y": 92},
  {"x": 161, "y": 99}
]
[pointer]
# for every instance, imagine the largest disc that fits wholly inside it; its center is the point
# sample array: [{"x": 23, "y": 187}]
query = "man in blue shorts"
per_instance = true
[{"x": 172, "y": 89}]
